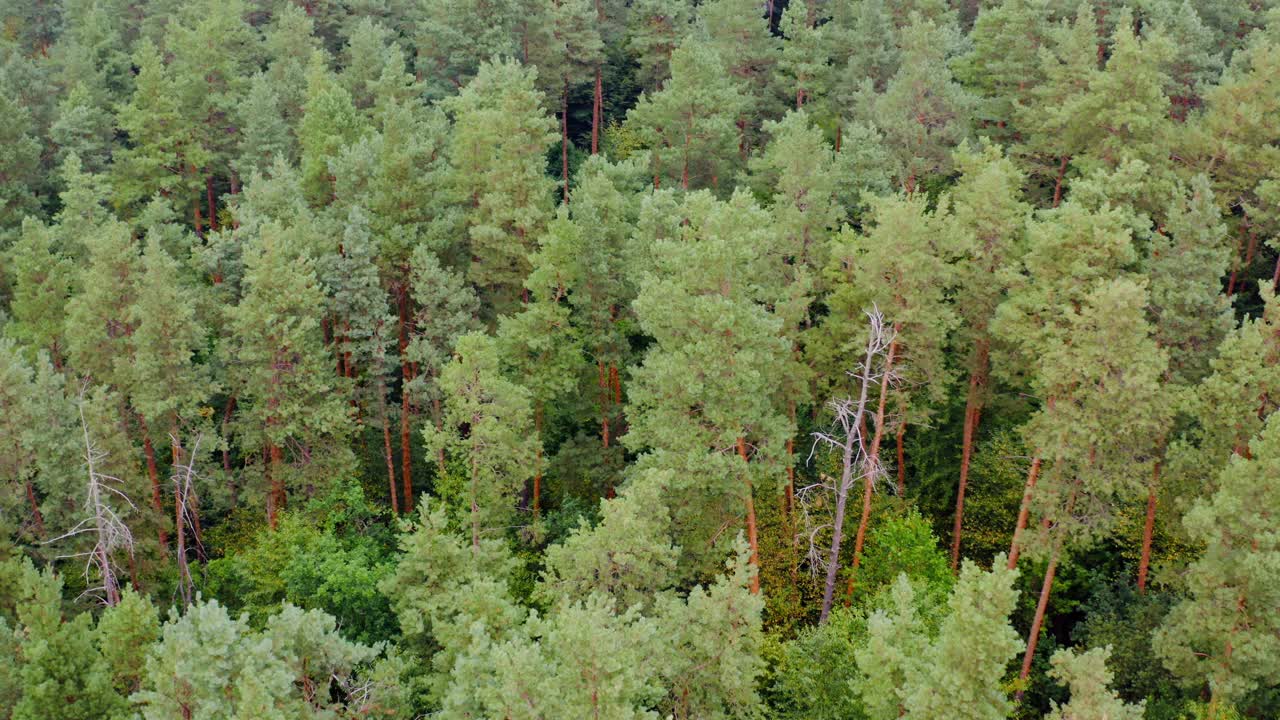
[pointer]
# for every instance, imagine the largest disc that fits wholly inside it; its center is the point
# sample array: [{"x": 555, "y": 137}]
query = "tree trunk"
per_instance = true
[
  {"x": 604, "y": 405},
  {"x": 972, "y": 412},
  {"x": 36, "y": 516},
  {"x": 1144, "y": 563},
  {"x": 386, "y": 452},
  {"x": 902, "y": 459},
  {"x": 1235, "y": 268},
  {"x": 406, "y": 374},
  {"x": 1023, "y": 511},
  {"x": 752, "y": 539},
  {"x": 873, "y": 466},
  {"x": 1034, "y": 636},
  {"x": 597, "y": 104},
  {"x": 179, "y": 534},
  {"x": 1057, "y": 185},
  {"x": 537, "y": 461},
  {"x": 213, "y": 210},
  {"x": 191, "y": 499},
  {"x": 157, "y": 503},
  {"x": 564, "y": 141},
  {"x": 275, "y": 497}
]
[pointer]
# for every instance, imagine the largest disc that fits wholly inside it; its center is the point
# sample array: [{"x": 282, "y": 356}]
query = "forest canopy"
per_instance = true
[{"x": 688, "y": 359}]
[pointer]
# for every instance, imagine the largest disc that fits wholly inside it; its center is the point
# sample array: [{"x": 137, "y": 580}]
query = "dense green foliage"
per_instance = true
[{"x": 690, "y": 359}]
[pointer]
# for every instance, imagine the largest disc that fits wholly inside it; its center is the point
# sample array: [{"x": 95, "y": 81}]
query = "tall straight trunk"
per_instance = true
[
  {"x": 873, "y": 465},
  {"x": 386, "y": 451},
  {"x": 1038, "y": 622},
  {"x": 902, "y": 459},
  {"x": 191, "y": 500},
  {"x": 157, "y": 503},
  {"x": 1023, "y": 511},
  {"x": 597, "y": 104},
  {"x": 406, "y": 374},
  {"x": 1235, "y": 267},
  {"x": 213, "y": 209},
  {"x": 1057, "y": 185},
  {"x": 1144, "y": 563},
  {"x": 564, "y": 141},
  {"x": 537, "y": 461},
  {"x": 36, "y": 516},
  {"x": 604, "y": 404},
  {"x": 752, "y": 538},
  {"x": 972, "y": 412},
  {"x": 406, "y": 453}
]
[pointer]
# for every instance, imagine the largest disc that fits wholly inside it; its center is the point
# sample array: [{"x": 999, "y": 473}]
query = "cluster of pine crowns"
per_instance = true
[{"x": 847, "y": 359}]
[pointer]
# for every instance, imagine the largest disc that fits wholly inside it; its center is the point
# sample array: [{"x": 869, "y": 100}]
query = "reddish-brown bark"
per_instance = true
[
  {"x": 972, "y": 414},
  {"x": 1023, "y": 511},
  {"x": 752, "y": 539},
  {"x": 1148, "y": 528}
]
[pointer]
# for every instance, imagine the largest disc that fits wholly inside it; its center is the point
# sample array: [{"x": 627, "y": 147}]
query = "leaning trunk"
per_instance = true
[
  {"x": 873, "y": 467},
  {"x": 1148, "y": 528},
  {"x": 1038, "y": 621},
  {"x": 972, "y": 412},
  {"x": 752, "y": 539},
  {"x": 1023, "y": 512}
]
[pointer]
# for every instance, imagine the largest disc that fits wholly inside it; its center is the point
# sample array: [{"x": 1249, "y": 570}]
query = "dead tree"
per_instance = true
[
  {"x": 101, "y": 521},
  {"x": 183, "y": 493},
  {"x": 858, "y": 464}
]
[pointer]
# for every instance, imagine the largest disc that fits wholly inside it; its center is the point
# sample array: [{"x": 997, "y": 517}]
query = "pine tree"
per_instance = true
[
  {"x": 922, "y": 113},
  {"x": 288, "y": 397},
  {"x": 488, "y": 429},
  {"x": 1105, "y": 414},
  {"x": 17, "y": 454},
  {"x": 1091, "y": 695},
  {"x": 584, "y": 258},
  {"x": 703, "y": 402},
  {"x": 1196, "y": 62},
  {"x": 163, "y": 152},
  {"x": 125, "y": 635},
  {"x": 690, "y": 125},
  {"x": 1004, "y": 66},
  {"x": 84, "y": 128},
  {"x": 42, "y": 280},
  {"x": 1125, "y": 106},
  {"x": 804, "y": 61},
  {"x": 264, "y": 134},
  {"x": 497, "y": 152},
  {"x": 542, "y": 352},
  {"x": 1068, "y": 65},
  {"x": 447, "y": 308},
  {"x": 454, "y": 38},
  {"x": 1225, "y": 632},
  {"x": 965, "y": 664},
  {"x": 62, "y": 673},
  {"x": 745, "y": 43},
  {"x": 213, "y": 52},
  {"x": 19, "y": 162},
  {"x": 329, "y": 123},
  {"x": 656, "y": 29},
  {"x": 987, "y": 204},
  {"x": 627, "y": 556},
  {"x": 714, "y": 637}
]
